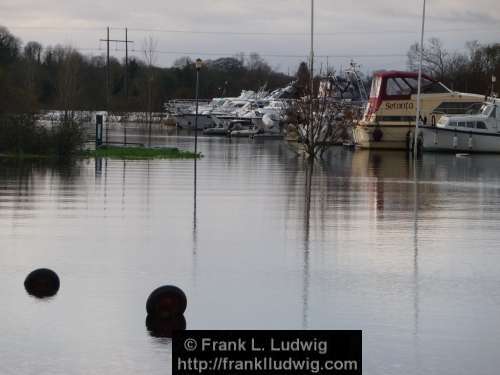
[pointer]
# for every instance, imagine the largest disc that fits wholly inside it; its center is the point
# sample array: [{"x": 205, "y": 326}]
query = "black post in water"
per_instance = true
[
  {"x": 98, "y": 130},
  {"x": 199, "y": 63}
]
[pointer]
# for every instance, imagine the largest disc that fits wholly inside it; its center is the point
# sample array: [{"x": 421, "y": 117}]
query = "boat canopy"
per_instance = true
[{"x": 398, "y": 85}]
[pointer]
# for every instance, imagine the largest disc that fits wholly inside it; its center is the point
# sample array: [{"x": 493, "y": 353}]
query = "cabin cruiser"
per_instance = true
[
  {"x": 389, "y": 117},
  {"x": 184, "y": 111},
  {"x": 465, "y": 134}
]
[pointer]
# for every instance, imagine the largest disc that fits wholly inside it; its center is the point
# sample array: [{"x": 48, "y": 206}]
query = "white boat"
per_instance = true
[
  {"x": 389, "y": 118},
  {"x": 242, "y": 128},
  {"x": 465, "y": 133}
]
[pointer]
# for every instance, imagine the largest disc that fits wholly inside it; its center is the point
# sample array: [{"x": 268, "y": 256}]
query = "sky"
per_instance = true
[{"x": 374, "y": 33}]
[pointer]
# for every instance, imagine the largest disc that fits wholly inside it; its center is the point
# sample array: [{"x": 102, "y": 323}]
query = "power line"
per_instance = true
[
  {"x": 258, "y": 33},
  {"x": 186, "y": 53}
]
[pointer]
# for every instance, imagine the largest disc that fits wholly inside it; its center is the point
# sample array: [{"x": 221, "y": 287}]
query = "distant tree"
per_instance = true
[
  {"x": 303, "y": 78},
  {"x": 68, "y": 81},
  {"x": 435, "y": 60},
  {"x": 183, "y": 61},
  {"x": 255, "y": 62},
  {"x": 33, "y": 52},
  {"x": 226, "y": 64},
  {"x": 9, "y": 47}
]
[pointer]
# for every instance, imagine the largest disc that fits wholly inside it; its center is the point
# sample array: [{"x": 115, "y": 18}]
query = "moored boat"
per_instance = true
[
  {"x": 389, "y": 118},
  {"x": 465, "y": 134}
]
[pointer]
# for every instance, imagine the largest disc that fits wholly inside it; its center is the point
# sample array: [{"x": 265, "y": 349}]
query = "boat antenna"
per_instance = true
[{"x": 419, "y": 85}]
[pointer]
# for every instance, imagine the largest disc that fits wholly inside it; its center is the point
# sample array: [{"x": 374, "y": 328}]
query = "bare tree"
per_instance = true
[
  {"x": 68, "y": 82},
  {"x": 319, "y": 119},
  {"x": 435, "y": 59},
  {"x": 150, "y": 56}
]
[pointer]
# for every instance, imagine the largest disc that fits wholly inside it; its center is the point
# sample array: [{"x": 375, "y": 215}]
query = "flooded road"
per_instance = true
[{"x": 408, "y": 255}]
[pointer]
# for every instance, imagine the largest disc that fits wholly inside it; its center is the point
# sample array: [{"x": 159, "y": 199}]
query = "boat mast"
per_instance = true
[
  {"x": 312, "y": 49},
  {"x": 419, "y": 85}
]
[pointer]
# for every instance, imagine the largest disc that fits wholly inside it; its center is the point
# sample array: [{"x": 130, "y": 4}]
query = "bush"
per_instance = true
[{"x": 20, "y": 135}]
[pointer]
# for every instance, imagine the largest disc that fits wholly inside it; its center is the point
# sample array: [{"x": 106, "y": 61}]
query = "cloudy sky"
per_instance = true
[{"x": 376, "y": 33}]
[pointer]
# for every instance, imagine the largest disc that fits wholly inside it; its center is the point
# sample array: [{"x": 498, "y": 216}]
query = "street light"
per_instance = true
[
  {"x": 198, "y": 64},
  {"x": 493, "y": 81}
]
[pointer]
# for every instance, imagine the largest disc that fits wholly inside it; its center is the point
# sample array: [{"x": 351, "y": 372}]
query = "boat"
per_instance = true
[
  {"x": 389, "y": 118},
  {"x": 242, "y": 128},
  {"x": 464, "y": 134}
]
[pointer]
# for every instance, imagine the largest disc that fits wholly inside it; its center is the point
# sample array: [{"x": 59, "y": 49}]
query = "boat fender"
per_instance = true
[
  {"x": 420, "y": 146},
  {"x": 470, "y": 142},
  {"x": 409, "y": 141},
  {"x": 166, "y": 301},
  {"x": 378, "y": 135},
  {"x": 42, "y": 283},
  {"x": 455, "y": 141},
  {"x": 436, "y": 140}
]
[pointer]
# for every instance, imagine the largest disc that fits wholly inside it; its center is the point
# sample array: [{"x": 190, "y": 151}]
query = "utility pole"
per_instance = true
[
  {"x": 126, "y": 64},
  {"x": 108, "y": 75}
]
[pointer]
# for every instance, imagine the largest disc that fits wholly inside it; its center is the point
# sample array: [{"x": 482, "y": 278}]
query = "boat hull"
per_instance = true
[
  {"x": 449, "y": 140},
  {"x": 187, "y": 121},
  {"x": 393, "y": 137}
]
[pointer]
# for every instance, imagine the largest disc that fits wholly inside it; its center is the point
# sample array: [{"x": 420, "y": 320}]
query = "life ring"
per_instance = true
[{"x": 377, "y": 135}]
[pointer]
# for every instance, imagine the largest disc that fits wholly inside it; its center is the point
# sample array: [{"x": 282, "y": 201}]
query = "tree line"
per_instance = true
[
  {"x": 35, "y": 77},
  {"x": 467, "y": 71}
]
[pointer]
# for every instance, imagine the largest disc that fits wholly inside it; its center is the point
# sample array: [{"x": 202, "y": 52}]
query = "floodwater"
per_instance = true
[{"x": 410, "y": 255}]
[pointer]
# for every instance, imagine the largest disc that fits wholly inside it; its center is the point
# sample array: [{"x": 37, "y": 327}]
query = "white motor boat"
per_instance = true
[{"x": 464, "y": 133}]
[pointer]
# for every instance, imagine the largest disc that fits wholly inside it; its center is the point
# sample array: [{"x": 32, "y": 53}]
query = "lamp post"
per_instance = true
[
  {"x": 198, "y": 64},
  {"x": 493, "y": 81}
]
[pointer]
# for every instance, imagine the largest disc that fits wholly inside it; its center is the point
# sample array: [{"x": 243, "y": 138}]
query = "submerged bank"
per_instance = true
[
  {"x": 124, "y": 153},
  {"x": 141, "y": 153}
]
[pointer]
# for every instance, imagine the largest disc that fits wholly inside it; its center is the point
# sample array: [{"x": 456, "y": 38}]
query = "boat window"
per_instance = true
[
  {"x": 430, "y": 87},
  {"x": 412, "y": 82},
  {"x": 481, "y": 125},
  {"x": 455, "y": 108},
  {"x": 471, "y": 125},
  {"x": 453, "y": 124},
  {"x": 461, "y": 124},
  {"x": 395, "y": 87},
  {"x": 376, "y": 84}
]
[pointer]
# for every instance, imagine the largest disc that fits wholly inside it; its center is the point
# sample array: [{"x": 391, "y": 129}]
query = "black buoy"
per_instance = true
[
  {"x": 166, "y": 301},
  {"x": 42, "y": 283},
  {"x": 165, "y": 327}
]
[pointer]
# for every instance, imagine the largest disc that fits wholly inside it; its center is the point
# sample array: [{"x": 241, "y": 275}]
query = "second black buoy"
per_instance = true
[{"x": 42, "y": 283}]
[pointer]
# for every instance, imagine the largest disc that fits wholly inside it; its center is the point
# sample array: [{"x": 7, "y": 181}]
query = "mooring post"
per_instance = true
[{"x": 98, "y": 130}]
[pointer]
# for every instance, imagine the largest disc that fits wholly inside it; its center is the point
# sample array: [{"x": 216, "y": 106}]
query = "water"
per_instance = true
[{"x": 414, "y": 263}]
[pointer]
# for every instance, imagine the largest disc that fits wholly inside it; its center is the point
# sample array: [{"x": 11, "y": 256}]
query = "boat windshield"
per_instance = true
[
  {"x": 404, "y": 86},
  {"x": 486, "y": 109}
]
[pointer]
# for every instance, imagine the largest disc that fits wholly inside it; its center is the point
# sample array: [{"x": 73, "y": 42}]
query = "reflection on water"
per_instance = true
[{"x": 258, "y": 239}]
